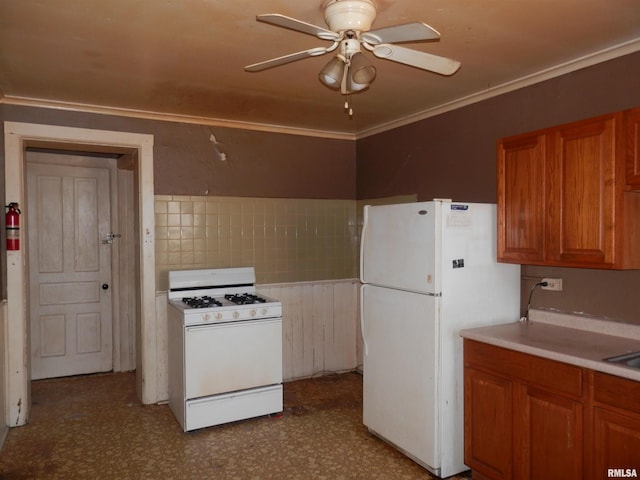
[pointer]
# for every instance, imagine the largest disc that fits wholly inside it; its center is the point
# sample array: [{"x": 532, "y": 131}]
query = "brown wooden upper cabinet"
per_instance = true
[
  {"x": 632, "y": 121},
  {"x": 565, "y": 194}
]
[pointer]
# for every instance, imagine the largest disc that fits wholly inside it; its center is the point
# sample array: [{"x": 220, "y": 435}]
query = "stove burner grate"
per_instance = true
[
  {"x": 244, "y": 298},
  {"x": 201, "y": 302}
]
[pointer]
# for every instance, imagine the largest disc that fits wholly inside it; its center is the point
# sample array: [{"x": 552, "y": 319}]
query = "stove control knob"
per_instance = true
[
  {"x": 263, "y": 311},
  {"x": 253, "y": 312},
  {"x": 206, "y": 317},
  {"x": 218, "y": 316},
  {"x": 236, "y": 314}
]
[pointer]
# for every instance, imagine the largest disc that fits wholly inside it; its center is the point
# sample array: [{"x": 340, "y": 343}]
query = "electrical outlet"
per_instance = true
[{"x": 554, "y": 284}]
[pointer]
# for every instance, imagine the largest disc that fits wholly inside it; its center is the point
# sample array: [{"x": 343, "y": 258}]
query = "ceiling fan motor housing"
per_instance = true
[{"x": 356, "y": 15}]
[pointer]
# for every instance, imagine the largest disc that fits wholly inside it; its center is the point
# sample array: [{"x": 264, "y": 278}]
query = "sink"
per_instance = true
[{"x": 629, "y": 359}]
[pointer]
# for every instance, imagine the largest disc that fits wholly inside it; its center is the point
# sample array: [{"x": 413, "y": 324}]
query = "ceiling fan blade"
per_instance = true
[
  {"x": 425, "y": 61},
  {"x": 292, "y": 57},
  {"x": 298, "y": 26},
  {"x": 407, "y": 32}
]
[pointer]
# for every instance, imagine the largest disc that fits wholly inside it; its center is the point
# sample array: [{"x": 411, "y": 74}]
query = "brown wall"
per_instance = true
[
  {"x": 453, "y": 156},
  {"x": 194, "y": 159}
]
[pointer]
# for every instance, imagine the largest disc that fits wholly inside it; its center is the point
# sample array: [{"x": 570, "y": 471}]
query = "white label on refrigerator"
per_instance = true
[{"x": 458, "y": 219}]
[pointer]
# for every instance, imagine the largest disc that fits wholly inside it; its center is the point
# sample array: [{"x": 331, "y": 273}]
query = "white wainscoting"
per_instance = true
[
  {"x": 319, "y": 326},
  {"x": 320, "y": 329},
  {"x": 4, "y": 429}
]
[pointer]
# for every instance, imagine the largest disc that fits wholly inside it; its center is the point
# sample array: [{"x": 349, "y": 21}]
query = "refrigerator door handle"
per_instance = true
[
  {"x": 364, "y": 338},
  {"x": 363, "y": 235}
]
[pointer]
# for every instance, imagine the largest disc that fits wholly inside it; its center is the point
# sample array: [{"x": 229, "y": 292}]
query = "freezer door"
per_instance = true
[
  {"x": 400, "y": 371},
  {"x": 399, "y": 246}
]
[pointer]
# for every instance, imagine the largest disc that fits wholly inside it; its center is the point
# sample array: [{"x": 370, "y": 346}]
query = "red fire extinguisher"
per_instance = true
[{"x": 13, "y": 226}]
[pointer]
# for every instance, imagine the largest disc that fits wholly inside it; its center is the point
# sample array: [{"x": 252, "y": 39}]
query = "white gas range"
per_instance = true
[{"x": 225, "y": 347}]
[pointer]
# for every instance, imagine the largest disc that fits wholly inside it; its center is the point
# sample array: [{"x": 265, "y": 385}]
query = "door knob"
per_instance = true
[{"x": 105, "y": 286}]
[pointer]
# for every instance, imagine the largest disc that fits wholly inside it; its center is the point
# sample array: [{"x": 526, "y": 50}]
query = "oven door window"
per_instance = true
[{"x": 232, "y": 356}]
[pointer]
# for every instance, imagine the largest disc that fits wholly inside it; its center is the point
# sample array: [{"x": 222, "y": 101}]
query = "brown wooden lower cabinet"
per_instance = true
[
  {"x": 616, "y": 426},
  {"x": 548, "y": 435},
  {"x": 528, "y": 417},
  {"x": 488, "y": 423}
]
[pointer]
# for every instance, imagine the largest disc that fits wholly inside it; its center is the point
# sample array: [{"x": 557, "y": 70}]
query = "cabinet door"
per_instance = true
[
  {"x": 632, "y": 122},
  {"x": 548, "y": 436},
  {"x": 581, "y": 192},
  {"x": 616, "y": 419},
  {"x": 521, "y": 203},
  {"x": 617, "y": 440},
  {"x": 488, "y": 424}
]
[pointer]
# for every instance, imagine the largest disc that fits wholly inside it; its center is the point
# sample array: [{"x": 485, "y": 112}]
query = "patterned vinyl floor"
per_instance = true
[{"x": 94, "y": 427}]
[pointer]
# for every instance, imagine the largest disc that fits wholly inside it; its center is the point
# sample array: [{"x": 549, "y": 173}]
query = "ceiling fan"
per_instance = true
[{"x": 350, "y": 31}]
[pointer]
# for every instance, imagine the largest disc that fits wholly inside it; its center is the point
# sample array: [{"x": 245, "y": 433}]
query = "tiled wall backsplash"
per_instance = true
[{"x": 286, "y": 240}]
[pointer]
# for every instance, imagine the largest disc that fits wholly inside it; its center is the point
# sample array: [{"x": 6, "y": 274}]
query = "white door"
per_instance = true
[
  {"x": 400, "y": 394},
  {"x": 68, "y": 215},
  {"x": 399, "y": 246}
]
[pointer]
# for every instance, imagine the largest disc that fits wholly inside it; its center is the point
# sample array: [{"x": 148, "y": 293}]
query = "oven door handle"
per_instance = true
[{"x": 237, "y": 323}]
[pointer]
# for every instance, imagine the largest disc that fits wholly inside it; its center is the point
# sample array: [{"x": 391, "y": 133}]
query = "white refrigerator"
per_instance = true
[{"x": 428, "y": 270}]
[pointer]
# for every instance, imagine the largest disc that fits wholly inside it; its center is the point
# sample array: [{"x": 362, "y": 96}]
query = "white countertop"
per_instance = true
[{"x": 572, "y": 339}]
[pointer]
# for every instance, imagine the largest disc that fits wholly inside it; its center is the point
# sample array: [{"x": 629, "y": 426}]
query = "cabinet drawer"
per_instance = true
[
  {"x": 536, "y": 371},
  {"x": 616, "y": 391}
]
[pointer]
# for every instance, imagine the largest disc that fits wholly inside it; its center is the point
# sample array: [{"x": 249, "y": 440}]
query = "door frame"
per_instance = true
[{"x": 17, "y": 136}]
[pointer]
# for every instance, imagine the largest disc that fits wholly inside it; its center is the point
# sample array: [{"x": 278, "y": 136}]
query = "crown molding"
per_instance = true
[{"x": 169, "y": 117}]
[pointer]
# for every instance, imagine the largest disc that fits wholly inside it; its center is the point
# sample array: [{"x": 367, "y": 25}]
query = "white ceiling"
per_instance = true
[{"x": 187, "y": 57}]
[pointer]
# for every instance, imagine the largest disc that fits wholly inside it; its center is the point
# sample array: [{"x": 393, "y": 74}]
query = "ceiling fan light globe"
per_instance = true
[
  {"x": 355, "y": 87},
  {"x": 361, "y": 70},
  {"x": 366, "y": 75},
  {"x": 330, "y": 82},
  {"x": 331, "y": 74}
]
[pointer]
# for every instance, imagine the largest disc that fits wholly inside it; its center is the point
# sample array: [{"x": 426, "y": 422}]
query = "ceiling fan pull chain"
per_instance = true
[{"x": 347, "y": 106}]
